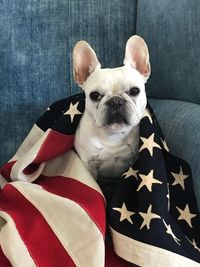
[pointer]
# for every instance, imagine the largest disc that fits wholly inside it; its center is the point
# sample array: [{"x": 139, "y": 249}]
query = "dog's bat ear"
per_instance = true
[
  {"x": 137, "y": 55},
  {"x": 84, "y": 62}
]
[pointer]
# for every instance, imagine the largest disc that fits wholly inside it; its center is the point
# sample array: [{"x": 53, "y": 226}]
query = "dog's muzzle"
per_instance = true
[{"x": 116, "y": 110}]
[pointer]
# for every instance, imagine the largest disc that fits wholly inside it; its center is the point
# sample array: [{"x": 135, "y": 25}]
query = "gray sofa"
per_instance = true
[{"x": 36, "y": 39}]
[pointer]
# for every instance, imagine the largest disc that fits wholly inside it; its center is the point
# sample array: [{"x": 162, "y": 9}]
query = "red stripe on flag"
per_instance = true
[
  {"x": 88, "y": 198},
  {"x": 31, "y": 168},
  {"x": 6, "y": 170},
  {"x": 113, "y": 260},
  {"x": 42, "y": 244},
  {"x": 54, "y": 145},
  {"x": 3, "y": 260}
]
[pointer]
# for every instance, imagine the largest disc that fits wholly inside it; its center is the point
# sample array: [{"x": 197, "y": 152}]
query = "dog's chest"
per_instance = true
[
  {"x": 108, "y": 158},
  {"x": 111, "y": 161}
]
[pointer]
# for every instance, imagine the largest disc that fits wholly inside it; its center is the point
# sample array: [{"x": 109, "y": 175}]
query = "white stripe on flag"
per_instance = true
[
  {"x": 25, "y": 159},
  {"x": 78, "y": 234},
  {"x": 146, "y": 255},
  {"x": 12, "y": 245},
  {"x": 34, "y": 135},
  {"x": 70, "y": 165},
  {"x": 3, "y": 181}
]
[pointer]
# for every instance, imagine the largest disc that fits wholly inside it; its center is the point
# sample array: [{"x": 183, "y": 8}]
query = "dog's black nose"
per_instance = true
[{"x": 115, "y": 102}]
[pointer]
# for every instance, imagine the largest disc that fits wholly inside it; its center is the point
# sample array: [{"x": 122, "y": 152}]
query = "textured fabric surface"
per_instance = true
[
  {"x": 36, "y": 39},
  {"x": 172, "y": 31},
  {"x": 180, "y": 122},
  {"x": 51, "y": 192}
]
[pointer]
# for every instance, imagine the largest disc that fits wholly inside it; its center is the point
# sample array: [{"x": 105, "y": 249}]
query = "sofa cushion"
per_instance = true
[
  {"x": 36, "y": 39},
  {"x": 180, "y": 123},
  {"x": 172, "y": 31}
]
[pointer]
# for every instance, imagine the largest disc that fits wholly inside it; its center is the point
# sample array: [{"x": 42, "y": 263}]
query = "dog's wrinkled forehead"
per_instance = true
[{"x": 114, "y": 81}]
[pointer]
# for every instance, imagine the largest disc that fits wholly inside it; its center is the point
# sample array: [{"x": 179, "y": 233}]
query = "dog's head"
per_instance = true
[{"x": 115, "y": 98}]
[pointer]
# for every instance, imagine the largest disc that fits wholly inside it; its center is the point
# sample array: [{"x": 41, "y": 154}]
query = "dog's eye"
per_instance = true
[
  {"x": 95, "y": 96},
  {"x": 134, "y": 91}
]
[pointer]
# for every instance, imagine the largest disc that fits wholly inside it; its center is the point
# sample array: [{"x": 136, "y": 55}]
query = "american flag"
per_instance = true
[{"x": 53, "y": 213}]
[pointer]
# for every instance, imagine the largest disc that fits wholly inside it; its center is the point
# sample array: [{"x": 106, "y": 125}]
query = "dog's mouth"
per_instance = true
[{"x": 116, "y": 119}]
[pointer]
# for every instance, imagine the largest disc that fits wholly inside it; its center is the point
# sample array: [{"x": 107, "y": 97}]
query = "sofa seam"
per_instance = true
[{"x": 136, "y": 15}]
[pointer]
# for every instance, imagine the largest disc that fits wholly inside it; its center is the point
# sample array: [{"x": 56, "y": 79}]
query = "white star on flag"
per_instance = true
[
  {"x": 125, "y": 214},
  {"x": 148, "y": 181},
  {"x": 169, "y": 232},
  {"x": 148, "y": 143},
  {"x": 130, "y": 172},
  {"x": 186, "y": 215},
  {"x": 168, "y": 196},
  {"x": 147, "y": 114},
  {"x": 193, "y": 242},
  {"x": 148, "y": 217},
  {"x": 179, "y": 178},
  {"x": 165, "y": 145},
  {"x": 72, "y": 111}
]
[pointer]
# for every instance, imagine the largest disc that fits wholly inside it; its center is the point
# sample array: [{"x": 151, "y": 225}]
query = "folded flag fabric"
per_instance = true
[{"x": 53, "y": 213}]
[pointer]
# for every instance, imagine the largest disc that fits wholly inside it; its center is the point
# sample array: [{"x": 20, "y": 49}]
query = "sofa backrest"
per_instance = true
[
  {"x": 172, "y": 31},
  {"x": 36, "y": 40}
]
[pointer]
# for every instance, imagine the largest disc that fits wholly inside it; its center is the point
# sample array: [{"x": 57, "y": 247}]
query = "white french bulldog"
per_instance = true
[{"x": 107, "y": 137}]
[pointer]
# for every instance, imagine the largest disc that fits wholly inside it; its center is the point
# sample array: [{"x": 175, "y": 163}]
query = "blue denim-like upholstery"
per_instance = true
[
  {"x": 172, "y": 31},
  {"x": 36, "y": 40}
]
